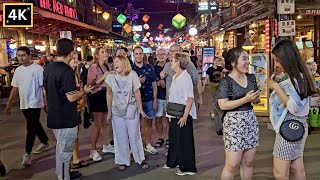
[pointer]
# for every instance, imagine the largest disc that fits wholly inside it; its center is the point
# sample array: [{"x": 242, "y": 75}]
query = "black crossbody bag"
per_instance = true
[{"x": 175, "y": 109}]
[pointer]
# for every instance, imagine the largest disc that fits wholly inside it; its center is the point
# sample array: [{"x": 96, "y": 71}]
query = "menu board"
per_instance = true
[{"x": 207, "y": 59}]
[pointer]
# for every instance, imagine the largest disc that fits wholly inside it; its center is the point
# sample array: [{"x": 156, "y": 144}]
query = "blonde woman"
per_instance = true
[
  {"x": 124, "y": 104},
  {"x": 181, "y": 142},
  {"x": 98, "y": 105}
]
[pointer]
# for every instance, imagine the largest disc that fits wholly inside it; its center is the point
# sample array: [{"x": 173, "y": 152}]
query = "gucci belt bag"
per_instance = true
[
  {"x": 175, "y": 109},
  {"x": 292, "y": 130}
]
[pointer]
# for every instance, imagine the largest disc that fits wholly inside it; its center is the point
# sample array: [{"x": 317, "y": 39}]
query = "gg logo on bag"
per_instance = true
[{"x": 294, "y": 126}]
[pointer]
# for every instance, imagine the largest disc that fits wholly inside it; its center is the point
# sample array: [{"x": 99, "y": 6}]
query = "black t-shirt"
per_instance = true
[
  {"x": 58, "y": 81},
  {"x": 161, "y": 90},
  {"x": 194, "y": 60},
  {"x": 214, "y": 73}
]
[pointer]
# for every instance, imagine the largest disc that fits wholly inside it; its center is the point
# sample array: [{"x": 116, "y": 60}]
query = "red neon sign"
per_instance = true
[
  {"x": 267, "y": 35},
  {"x": 59, "y": 8}
]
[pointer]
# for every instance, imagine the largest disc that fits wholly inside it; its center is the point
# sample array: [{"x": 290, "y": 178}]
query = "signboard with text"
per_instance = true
[
  {"x": 285, "y": 6},
  {"x": 57, "y": 7},
  {"x": 287, "y": 28},
  {"x": 207, "y": 59},
  {"x": 17, "y": 15}
]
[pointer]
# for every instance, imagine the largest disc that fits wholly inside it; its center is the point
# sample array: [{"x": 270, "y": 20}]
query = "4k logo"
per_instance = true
[{"x": 17, "y": 14}]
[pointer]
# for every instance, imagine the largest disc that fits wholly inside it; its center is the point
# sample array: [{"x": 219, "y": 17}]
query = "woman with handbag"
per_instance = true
[
  {"x": 98, "y": 104},
  {"x": 240, "y": 125},
  {"x": 124, "y": 104},
  {"x": 181, "y": 110},
  {"x": 289, "y": 107}
]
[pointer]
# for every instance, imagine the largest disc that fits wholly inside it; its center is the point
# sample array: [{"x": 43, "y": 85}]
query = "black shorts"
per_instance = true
[{"x": 98, "y": 101}]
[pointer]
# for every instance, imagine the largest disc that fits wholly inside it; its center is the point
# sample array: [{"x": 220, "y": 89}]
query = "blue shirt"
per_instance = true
[
  {"x": 161, "y": 90},
  {"x": 146, "y": 88}
]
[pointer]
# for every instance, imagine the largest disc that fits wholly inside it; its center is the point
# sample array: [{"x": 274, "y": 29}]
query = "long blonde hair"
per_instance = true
[
  {"x": 96, "y": 59},
  {"x": 125, "y": 63}
]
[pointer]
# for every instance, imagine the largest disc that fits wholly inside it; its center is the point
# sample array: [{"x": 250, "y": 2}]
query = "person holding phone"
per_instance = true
[
  {"x": 292, "y": 92},
  {"x": 149, "y": 92},
  {"x": 98, "y": 104},
  {"x": 125, "y": 105},
  {"x": 240, "y": 125}
]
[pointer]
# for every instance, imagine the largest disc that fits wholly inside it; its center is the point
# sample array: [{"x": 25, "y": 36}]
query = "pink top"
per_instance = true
[{"x": 94, "y": 74}]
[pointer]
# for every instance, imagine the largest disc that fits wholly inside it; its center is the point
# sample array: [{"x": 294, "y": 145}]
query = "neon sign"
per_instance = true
[{"x": 59, "y": 8}]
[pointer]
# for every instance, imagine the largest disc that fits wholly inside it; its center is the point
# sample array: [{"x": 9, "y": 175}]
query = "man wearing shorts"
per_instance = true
[
  {"x": 161, "y": 120},
  {"x": 149, "y": 92}
]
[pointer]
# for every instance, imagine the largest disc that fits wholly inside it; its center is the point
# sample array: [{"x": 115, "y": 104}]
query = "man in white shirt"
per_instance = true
[{"x": 27, "y": 82}]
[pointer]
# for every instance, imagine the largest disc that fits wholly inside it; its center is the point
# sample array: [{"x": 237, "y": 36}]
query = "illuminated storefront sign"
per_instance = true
[
  {"x": 311, "y": 12},
  {"x": 59, "y": 8}
]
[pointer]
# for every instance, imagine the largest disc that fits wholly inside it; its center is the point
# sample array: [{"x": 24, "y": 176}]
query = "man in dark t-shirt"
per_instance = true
[
  {"x": 62, "y": 96},
  {"x": 214, "y": 74},
  {"x": 162, "y": 122}
]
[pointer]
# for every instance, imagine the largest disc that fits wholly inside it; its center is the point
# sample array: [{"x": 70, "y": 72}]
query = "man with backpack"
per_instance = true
[{"x": 83, "y": 71}]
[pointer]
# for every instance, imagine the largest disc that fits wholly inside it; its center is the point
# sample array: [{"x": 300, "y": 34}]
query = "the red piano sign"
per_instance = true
[{"x": 59, "y": 8}]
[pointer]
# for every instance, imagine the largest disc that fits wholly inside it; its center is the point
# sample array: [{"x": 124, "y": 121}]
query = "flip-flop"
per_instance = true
[
  {"x": 81, "y": 164},
  {"x": 160, "y": 142},
  {"x": 144, "y": 165}
]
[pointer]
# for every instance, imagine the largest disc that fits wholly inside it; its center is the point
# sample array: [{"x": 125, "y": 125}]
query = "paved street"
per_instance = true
[{"x": 209, "y": 154}]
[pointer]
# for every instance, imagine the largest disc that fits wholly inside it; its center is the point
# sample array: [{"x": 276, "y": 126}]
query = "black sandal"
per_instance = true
[
  {"x": 160, "y": 142},
  {"x": 80, "y": 164},
  {"x": 122, "y": 167},
  {"x": 144, "y": 165},
  {"x": 167, "y": 144}
]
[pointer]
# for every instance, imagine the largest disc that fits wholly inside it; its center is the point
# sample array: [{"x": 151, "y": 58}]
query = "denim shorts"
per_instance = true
[
  {"x": 148, "y": 109},
  {"x": 161, "y": 108}
]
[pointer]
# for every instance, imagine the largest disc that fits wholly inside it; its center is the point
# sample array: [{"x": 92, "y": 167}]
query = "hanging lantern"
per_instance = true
[
  {"x": 121, "y": 18},
  {"x": 127, "y": 28},
  {"x": 178, "y": 21},
  {"x": 145, "y": 18},
  {"x": 105, "y": 15},
  {"x": 146, "y": 26},
  {"x": 160, "y": 26}
]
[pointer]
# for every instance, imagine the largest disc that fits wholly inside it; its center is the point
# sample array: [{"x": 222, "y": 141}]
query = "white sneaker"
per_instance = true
[
  {"x": 150, "y": 149},
  {"x": 95, "y": 156},
  {"x": 108, "y": 149},
  {"x": 26, "y": 160},
  {"x": 167, "y": 167},
  {"x": 41, "y": 148},
  {"x": 180, "y": 173}
]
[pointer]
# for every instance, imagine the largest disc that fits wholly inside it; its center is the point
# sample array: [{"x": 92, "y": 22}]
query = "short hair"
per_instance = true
[
  {"x": 125, "y": 49},
  {"x": 137, "y": 47},
  {"x": 64, "y": 47},
  {"x": 180, "y": 48},
  {"x": 161, "y": 49},
  {"x": 126, "y": 64},
  {"x": 192, "y": 52},
  {"x": 183, "y": 58},
  {"x": 232, "y": 57},
  {"x": 186, "y": 51},
  {"x": 25, "y": 49},
  {"x": 89, "y": 58}
]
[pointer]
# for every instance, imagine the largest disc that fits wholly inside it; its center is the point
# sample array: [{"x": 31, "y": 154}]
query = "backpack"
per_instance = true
[
  {"x": 218, "y": 113},
  {"x": 2, "y": 169},
  {"x": 84, "y": 75}
]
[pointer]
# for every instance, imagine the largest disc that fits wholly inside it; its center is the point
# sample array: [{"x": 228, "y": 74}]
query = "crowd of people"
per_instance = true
[{"x": 119, "y": 99}]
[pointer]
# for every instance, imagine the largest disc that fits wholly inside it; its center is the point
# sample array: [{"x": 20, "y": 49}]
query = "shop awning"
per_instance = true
[{"x": 50, "y": 15}]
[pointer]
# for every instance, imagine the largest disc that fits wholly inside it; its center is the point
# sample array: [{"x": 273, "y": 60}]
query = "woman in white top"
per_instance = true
[
  {"x": 181, "y": 142},
  {"x": 294, "y": 93},
  {"x": 124, "y": 104}
]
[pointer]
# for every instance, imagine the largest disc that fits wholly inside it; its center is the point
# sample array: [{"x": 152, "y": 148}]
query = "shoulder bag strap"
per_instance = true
[{"x": 230, "y": 92}]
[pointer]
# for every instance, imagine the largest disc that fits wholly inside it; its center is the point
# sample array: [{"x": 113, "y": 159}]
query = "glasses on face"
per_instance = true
[{"x": 163, "y": 54}]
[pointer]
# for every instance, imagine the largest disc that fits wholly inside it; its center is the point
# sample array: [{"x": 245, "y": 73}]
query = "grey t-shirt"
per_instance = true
[
  {"x": 123, "y": 88},
  {"x": 191, "y": 69}
]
